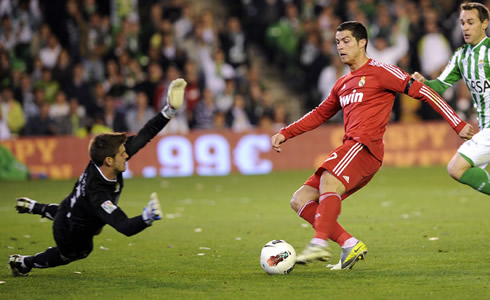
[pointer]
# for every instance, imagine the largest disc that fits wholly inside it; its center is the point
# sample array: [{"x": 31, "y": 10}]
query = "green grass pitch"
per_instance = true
[{"x": 428, "y": 238}]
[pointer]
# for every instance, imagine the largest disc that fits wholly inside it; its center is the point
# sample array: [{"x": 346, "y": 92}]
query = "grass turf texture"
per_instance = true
[{"x": 396, "y": 215}]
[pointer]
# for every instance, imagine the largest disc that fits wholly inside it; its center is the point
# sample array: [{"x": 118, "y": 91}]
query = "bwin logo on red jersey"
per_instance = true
[{"x": 351, "y": 98}]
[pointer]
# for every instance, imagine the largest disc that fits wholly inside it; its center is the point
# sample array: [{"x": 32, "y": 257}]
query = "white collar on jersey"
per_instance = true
[{"x": 107, "y": 179}]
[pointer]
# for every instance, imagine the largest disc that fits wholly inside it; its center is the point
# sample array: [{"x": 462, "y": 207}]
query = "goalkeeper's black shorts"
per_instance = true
[{"x": 71, "y": 242}]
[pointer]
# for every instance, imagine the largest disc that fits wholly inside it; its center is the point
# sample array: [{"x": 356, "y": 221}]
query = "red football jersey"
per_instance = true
[{"x": 366, "y": 97}]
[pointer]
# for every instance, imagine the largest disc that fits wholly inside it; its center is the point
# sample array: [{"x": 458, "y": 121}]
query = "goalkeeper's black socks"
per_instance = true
[{"x": 47, "y": 259}]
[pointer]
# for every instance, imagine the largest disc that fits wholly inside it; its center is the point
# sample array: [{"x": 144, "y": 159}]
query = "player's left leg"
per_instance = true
[
  {"x": 21, "y": 265},
  {"x": 467, "y": 165},
  {"x": 305, "y": 202},
  {"x": 26, "y": 205},
  {"x": 352, "y": 171},
  {"x": 325, "y": 219}
]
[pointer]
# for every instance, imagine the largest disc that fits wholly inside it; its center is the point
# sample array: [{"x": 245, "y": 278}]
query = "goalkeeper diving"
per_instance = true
[{"x": 94, "y": 201}]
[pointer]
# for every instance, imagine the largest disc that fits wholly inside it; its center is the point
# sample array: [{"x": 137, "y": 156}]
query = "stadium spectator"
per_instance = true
[
  {"x": 41, "y": 124},
  {"x": 234, "y": 43},
  {"x": 113, "y": 118},
  {"x": 204, "y": 111},
  {"x": 12, "y": 111},
  {"x": 25, "y": 94},
  {"x": 224, "y": 101},
  {"x": 76, "y": 30},
  {"x": 40, "y": 39},
  {"x": 60, "y": 107},
  {"x": 434, "y": 48},
  {"x": 62, "y": 72},
  {"x": 280, "y": 116},
  {"x": 78, "y": 119},
  {"x": 37, "y": 69},
  {"x": 366, "y": 103},
  {"x": 381, "y": 50},
  {"x": 184, "y": 24},
  {"x": 237, "y": 118},
  {"x": 149, "y": 85},
  {"x": 8, "y": 36},
  {"x": 139, "y": 114},
  {"x": 4, "y": 129},
  {"x": 193, "y": 89},
  {"x": 93, "y": 66},
  {"x": 59, "y": 112},
  {"x": 78, "y": 88},
  {"x": 48, "y": 84},
  {"x": 216, "y": 70},
  {"x": 49, "y": 53}
]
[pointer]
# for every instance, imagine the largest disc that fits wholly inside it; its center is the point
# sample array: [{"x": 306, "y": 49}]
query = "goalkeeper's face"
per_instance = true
[
  {"x": 119, "y": 161},
  {"x": 473, "y": 29}
]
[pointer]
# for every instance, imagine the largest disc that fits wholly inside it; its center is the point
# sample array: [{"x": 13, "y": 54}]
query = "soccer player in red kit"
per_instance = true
[{"x": 366, "y": 96}]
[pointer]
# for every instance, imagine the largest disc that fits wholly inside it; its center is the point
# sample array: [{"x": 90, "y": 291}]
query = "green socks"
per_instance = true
[{"x": 477, "y": 178}]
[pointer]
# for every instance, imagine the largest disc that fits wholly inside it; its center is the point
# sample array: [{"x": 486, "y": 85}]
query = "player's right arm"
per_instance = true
[
  {"x": 316, "y": 117},
  {"x": 174, "y": 99},
  {"x": 111, "y": 214}
]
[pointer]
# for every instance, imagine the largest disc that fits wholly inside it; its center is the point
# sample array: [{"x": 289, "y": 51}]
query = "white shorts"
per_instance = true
[{"x": 478, "y": 148}]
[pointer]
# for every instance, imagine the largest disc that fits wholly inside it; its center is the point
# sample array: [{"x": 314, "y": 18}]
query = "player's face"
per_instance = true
[
  {"x": 348, "y": 47},
  {"x": 473, "y": 29},
  {"x": 120, "y": 159}
]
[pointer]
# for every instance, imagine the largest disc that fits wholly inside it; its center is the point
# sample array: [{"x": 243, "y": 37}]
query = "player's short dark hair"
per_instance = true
[
  {"x": 482, "y": 9},
  {"x": 358, "y": 30},
  {"x": 105, "y": 145}
]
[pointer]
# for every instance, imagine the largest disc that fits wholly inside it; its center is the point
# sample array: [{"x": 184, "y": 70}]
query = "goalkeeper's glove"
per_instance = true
[
  {"x": 151, "y": 211},
  {"x": 24, "y": 205},
  {"x": 175, "y": 97}
]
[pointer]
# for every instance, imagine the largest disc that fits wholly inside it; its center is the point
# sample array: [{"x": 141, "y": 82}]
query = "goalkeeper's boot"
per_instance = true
[
  {"x": 313, "y": 252},
  {"x": 350, "y": 256},
  {"x": 17, "y": 265},
  {"x": 25, "y": 205}
]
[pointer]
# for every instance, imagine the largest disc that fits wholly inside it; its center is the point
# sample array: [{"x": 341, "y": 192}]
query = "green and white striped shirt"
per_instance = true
[{"x": 472, "y": 63}]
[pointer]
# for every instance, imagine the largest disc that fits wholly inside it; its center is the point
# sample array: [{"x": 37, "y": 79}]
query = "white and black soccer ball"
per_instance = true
[{"x": 278, "y": 257}]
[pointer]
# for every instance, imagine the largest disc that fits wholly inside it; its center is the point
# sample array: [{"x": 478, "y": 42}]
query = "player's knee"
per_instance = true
[
  {"x": 296, "y": 202},
  {"x": 79, "y": 255},
  {"x": 454, "y": 171}
]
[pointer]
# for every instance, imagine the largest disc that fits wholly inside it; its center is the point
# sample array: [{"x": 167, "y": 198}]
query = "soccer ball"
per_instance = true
[{"x": 277, "y": 257}]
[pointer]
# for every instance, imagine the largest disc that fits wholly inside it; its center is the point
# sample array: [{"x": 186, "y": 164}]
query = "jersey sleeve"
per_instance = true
[
  {"x": 111, "y": 214},
  {"x": 424, "y": 93},
  {"x": 395, "y": 79},
  {"x": 437, "y": 85},
  {"x": 148, "y": 132},
  {"x": 328, "y": 108}
]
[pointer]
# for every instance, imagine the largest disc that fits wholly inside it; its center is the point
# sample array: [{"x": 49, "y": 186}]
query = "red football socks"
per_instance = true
[
  {"x": 326, "y": 215},
  {"x": 308, "y": 212},
  {"x": 337, "y": 233}
]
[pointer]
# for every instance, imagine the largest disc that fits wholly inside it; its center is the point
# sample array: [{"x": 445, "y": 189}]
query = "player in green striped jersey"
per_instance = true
[{"x": 471, "y": 63}]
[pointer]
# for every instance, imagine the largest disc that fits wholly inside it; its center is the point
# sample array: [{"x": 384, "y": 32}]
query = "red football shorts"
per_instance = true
[{"x": 351, "y": 163}]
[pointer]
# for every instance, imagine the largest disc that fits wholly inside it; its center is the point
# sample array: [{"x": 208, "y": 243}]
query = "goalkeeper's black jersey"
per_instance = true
[{"x": 94, "y": 199}]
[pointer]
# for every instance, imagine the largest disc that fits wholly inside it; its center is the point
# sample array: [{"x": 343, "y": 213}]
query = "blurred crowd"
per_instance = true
[
  {"x": 417, "y": 35},
  {"x": 79, "y": 67}
]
